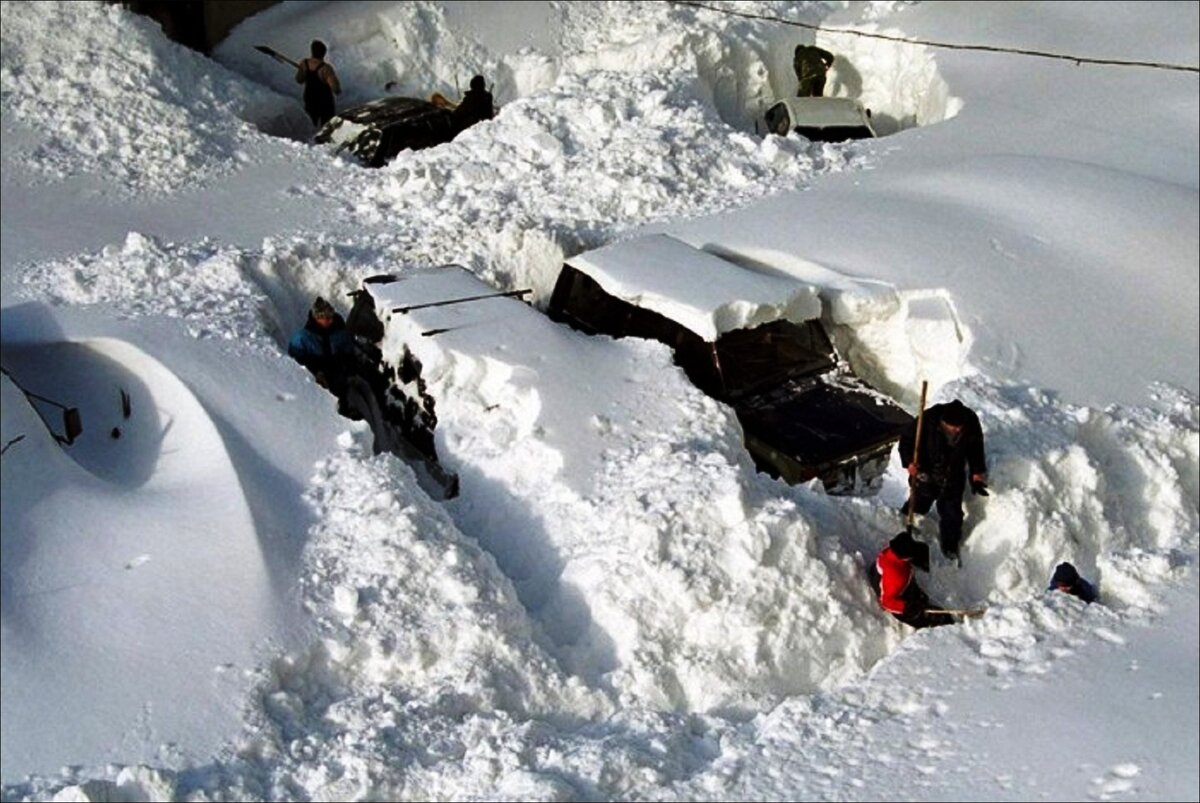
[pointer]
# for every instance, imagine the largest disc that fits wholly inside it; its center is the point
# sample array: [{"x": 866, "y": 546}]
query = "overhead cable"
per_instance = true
[{"x": 947, "y": 45}]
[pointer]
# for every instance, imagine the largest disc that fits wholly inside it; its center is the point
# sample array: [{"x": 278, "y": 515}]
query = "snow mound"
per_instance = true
[
  {"x": 694, "y": 587},
  {"x": 150, "y": 117},
  {"x": 77, "y": 552},
  {"x": 738, "y": 66}
]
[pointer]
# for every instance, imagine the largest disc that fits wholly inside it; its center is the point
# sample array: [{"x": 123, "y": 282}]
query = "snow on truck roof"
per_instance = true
[
  {"x": 489, "y": 325},
  {"x": 826, "y": 112},
  {"x": 698, "y": 290}
]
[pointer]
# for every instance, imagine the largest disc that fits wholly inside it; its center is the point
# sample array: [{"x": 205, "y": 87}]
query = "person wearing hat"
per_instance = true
[
  {"x": 811, "y": 63},
  {"x": 325, "y": 347},
  {"x": 476, "y": 106},
  {"x": 893, "y": 583},
  {"x": 951, "y": 449},
  {"x": 1066, "y": 579}
]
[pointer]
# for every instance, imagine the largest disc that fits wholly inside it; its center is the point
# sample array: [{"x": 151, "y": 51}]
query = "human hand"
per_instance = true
[{"x": 979, "y": 484}]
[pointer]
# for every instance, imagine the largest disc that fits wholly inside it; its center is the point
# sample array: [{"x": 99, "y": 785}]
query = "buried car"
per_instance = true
[
  {"x": 748, "y": 338},
  {"x": 820, "y": 119},
  {"x": 376, "y": 132}
]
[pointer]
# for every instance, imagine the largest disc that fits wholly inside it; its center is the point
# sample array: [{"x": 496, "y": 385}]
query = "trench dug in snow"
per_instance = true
[
  {"x": 652, "y": 476},
  {"x": 741, "y": 77},
  {"x": 897, "y": 82}
]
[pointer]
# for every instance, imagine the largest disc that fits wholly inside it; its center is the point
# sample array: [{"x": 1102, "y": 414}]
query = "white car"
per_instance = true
[{"x": 820, "y": 119}]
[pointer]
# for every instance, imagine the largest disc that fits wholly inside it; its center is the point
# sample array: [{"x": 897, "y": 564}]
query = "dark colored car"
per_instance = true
[
  {"x": 375, "y": 132},
  {"x": 803, "y": 411},
  {"x": 820, "y": 119}
]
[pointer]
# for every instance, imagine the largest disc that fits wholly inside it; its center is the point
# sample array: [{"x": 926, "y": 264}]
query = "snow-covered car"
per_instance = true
[
  {"x": 820, "y": 119},
  {"x": 748, "y": 338},
  {"x": 392, "y": 398},
  {"x": 375, "y": 132}
]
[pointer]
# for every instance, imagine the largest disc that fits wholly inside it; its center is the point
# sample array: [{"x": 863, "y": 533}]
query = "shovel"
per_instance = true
[
  {"x": 275, "y": 54},
  {"x": 921, "y": 559},
  {"x": 969, "y": 613}
]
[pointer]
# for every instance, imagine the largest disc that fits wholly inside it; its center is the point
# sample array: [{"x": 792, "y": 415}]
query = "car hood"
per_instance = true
[
  {"x": 818, "y": 421},
  {"x": 380, "y": 114}
]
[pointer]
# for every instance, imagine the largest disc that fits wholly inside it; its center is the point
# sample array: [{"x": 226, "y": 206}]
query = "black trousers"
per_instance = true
[
  {"x": 916, "y": 613},
  {"x": 812, "y": 86},
  {"x": 949, "y": 509}
]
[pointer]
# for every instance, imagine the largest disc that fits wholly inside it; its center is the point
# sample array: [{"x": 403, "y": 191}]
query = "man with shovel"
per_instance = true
[
  {"x": 893, "y": 583},
  {"x": 892, "y": 574},
  {"x": 320, "y": 81},
  {"x": 938, "y": 466},
  {"x": 320, "y": 84}
]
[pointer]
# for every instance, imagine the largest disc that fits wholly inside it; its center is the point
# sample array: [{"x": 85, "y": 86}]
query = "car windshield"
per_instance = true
[
  {"x": 773, "y": 353},
  {"x": 836, "y": 133}
]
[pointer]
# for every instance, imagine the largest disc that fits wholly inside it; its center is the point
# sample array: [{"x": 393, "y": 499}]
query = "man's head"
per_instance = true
[
  {"x": 1065, "y": 577},
  {"x": 478, "y": 84},
  {"x": 953, "y": 419},
  {"x": 905, "y": 547},
  {"x": 322, "y": 312},
  {"x": 317, "y": 49}
]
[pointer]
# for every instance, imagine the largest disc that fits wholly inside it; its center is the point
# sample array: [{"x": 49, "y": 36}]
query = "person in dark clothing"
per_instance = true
[
  {"x": 1066, "y": 579},
  {"x": 951, "y": 445},
  {"x": 894, "y": 586},
  {"x": 811, "y": 63},
  {"x": 325, "y": 347},
  {"x": 476, "y": 106},
  {"x": 320, "y": 85}
]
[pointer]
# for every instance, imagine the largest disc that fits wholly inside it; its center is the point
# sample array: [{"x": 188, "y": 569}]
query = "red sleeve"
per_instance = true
[{"x": 894, "y": 577}]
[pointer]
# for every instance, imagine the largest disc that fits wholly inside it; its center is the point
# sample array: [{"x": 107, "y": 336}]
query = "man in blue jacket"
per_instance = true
[
  {"x": 325, "y": 347},
  {"x": 1067, "y": 580}
]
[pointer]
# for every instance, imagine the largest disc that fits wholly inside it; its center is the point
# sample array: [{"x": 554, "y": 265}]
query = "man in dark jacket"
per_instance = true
[
  {"x": 476, "y": 106},
  {"x": 320, "y": 85},
  {"x": 325, "y": 347},
  {"x": 1066, "y": 579},
  {"x": 811, "y": 63},
  {"x": 951, "y": 445},
  {"x": 893, "y": 583}
]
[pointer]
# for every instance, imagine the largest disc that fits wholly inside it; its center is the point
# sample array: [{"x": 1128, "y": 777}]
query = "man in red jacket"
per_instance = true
[{"x": 893, "y": 583}]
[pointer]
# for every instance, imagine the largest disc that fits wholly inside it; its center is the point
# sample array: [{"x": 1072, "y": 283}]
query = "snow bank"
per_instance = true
[
  {"x": 622, "y": 504},
  {"x": 738, "y": 65},
  {"x": 84, "y": 544},
  {"x": 146, "y": 115}
]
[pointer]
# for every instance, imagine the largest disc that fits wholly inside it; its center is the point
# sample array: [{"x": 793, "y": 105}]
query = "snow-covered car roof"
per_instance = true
[
  {"x": 826, "y": 112},
  {"x": 484, "y": 327},
  {"x": 376, "y": 131},
  {"x": 698, "y": 290}
]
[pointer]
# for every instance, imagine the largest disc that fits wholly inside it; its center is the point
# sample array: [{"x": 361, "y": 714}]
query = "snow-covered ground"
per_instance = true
[{"x": 222, "y": 594}]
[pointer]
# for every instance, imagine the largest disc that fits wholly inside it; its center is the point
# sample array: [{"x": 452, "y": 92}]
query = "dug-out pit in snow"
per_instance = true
[{"x": 896, "y": 84}]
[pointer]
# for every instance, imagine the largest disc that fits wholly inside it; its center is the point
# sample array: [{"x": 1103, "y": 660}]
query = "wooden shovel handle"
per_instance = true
[{"x": 916, "y": 452}]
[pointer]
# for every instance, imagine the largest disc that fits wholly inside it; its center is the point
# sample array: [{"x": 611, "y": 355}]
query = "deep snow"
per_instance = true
[{"x": 235, "y": 599}]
